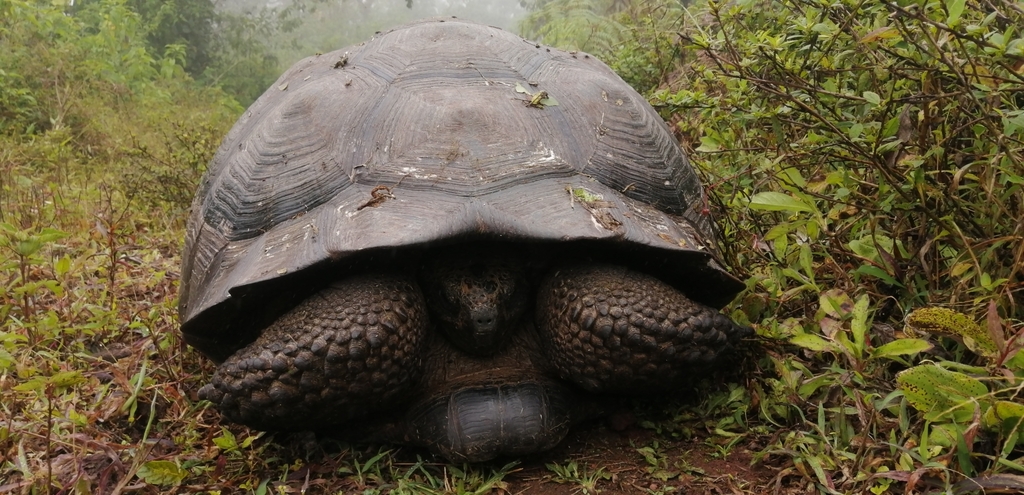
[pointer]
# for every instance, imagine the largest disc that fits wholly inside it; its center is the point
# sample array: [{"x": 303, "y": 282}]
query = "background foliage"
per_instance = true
[{"x": 864, "y": 159}]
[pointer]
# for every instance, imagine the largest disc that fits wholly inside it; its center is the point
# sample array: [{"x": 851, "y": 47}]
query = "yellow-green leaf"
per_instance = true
[
  {"x": 1004, "y": 416},
  {"x": 901, "y": 347},
  {"x": 812, "y": 342},
  {"x": 66, "y": 379},
  {"x": 164, "y": 473},
  {"x": 951, "y": 323},
  {"x": 940, "y": 394},
  {"x": 708, "y": 144},
  {"x": 776, "y": 201},
  {"x": 62, "y": 266},
  {"x": 955, "y": 8}
]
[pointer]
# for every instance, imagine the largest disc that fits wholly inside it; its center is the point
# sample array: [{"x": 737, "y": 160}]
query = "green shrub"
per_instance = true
[
  {"x": 871, "y": 146},
  {"x": 872, "y": 149}
]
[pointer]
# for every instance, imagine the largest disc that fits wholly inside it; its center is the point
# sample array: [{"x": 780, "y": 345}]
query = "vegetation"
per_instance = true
[
  {"x": 866, "y": 158},
  {"x": 863, "y": 158}
]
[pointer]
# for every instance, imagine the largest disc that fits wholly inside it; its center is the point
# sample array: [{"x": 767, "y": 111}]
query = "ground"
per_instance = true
[
  {"x": 697, "y": 469},
  {"x": 595, "y": 458}
]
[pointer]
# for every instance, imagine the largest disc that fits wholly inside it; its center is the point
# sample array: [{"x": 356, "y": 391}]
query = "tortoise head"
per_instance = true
[{"x": 477, "y": 297}]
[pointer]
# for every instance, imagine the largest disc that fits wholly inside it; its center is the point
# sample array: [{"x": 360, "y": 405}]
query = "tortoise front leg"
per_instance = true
[
  {"x": 346, "y": 351},
  {"x": 611, "y": 329}
]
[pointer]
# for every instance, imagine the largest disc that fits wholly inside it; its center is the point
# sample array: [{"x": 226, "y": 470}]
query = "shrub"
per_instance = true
[{"x": 871, "y": 146}]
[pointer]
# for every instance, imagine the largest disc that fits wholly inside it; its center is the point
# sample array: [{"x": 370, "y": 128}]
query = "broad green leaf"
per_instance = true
[
  {"x": 164, "y": 473},
  {"x": 891, "y": 126},
  {"x": 940, "y": 394},
  {"x": 1015, "y": 48},
  {"x": 868, "y": 246},
  {"x": 62, "y": 266},
  {"x": 1011, "y": 125},
  {"x": 226, "y": 441},
  {"x": 50, "y": 235},
  {"x": 35, "y": 384},
  {"x": 808, "y": 388},
  {"x": 884, "y": 32},
  {"x": 66, "y": 379},
  {"x": 28, "y": 247},
  {"x": 777, "y": 232},
  {"x": 793, "y": 176},
  {"x": 12, "y": 338},
  {"x": 708, "y": 144},
  {"x": 812, "y": 342},
  {"x": 856, "y": 130},
  {"x": 879, "y": 273},
  {"x": 1004, "y": 416},
  {"x": 247, "y": 442},
  {"x": 944, "y": 434},
  {"x": 955, "y": 8},
  {"x": 6, "y": 359},
  {"x": 859, "y": 324},
  {"x": 806, "y": 261},
  {"x": 776, "y": 201},
  {"x": 1015, "y": 362},
  {"x": 901, "y": 347},
  {"x": 872, "y": 98},
  {"x": 818, "y": 470}
]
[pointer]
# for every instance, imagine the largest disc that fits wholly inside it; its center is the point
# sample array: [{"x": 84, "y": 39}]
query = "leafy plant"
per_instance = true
[
  {"x": 586, "y": 477},
  {"x": 869, "y": 149},
  {"x": 957, "y": 400},
  {"x": 879, "y": 136}
]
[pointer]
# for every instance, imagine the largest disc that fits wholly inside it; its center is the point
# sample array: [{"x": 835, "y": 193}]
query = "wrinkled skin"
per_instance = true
[{"x": 472, "y": 358}]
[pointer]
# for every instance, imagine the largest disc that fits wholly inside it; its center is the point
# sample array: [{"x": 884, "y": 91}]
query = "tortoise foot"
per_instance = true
[
  {"x": 610, "y": 329},
  {"x": 347, "y": 351}
]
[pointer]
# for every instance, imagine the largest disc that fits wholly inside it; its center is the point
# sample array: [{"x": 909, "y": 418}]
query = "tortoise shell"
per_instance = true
[{"x": 435, "y": 132}]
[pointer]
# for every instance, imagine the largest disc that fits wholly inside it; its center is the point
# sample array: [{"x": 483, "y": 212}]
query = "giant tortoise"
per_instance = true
[{"x": 450, "y": 237}]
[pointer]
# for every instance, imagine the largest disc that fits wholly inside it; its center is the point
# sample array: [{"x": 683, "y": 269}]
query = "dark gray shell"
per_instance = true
[{"x": 431, "y": 110}]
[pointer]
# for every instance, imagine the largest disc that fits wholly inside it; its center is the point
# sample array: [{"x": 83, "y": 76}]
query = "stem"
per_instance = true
[{"x": 49, "y": 439}]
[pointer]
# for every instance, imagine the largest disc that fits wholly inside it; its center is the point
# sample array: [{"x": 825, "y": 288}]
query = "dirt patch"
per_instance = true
[{"x": 639, "y": 461}]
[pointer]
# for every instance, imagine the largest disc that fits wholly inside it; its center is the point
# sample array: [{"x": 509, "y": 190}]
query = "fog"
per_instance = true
[{"x": 317, "y": 26}]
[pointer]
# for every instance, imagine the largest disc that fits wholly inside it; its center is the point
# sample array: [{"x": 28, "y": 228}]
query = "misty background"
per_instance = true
[
  {"x": 317, "y": 26},
  {"x": 241, "y": 46}
]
